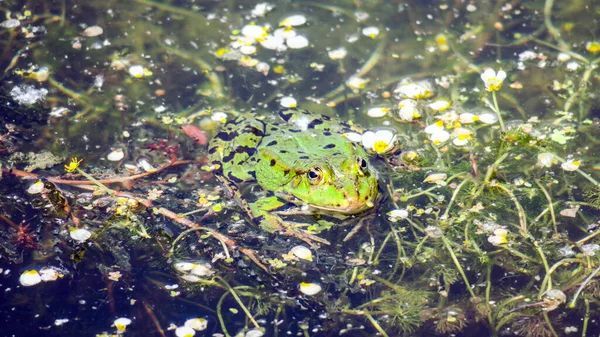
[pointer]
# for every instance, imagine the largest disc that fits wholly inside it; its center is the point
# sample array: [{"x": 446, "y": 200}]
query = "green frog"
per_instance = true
[{"x": 303, "y": 163}]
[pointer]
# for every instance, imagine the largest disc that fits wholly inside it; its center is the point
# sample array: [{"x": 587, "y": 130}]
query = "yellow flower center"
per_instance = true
[
  {"x": 493, "y": 84},
  {"x": 380, "y": 146}
]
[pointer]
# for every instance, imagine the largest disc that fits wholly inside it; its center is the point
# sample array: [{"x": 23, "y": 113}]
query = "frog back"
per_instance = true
[{"x": 233, "y": 149}]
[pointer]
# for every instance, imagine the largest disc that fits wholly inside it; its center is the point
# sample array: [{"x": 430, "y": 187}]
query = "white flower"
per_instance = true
[
  {"x": 545, "y": 159},
  {"x": 435, "y": 127},
  {"x": 254, "y": 32},
  {"x": 294, "y": 20},
  {"x": 198, "y": 324},
  {"x": 380, "y": 141},
  {"x": 248, "y": 50},
  {"x": 337, "y": 54},
  {"x": 492, "y": 80},
  {"x": 284, "y": 33},
  {"x": 184, "y": 331},
  {"x": 310, "y": 288},
  {"x": 436, "y": 178},
  {"x": 570, "y": 165},
  {"x": 136, "y": 71},
  {"x": 116, "y": 155},
  {"x": 274, "y": 43},
  {"x": 353, "y": 136},
  {"x": 30, "y": 278},
  {"x": 80, "y": 234},
  {"x": 467, "y": 118},
  {"x": 488, "y": 118},
  {"x": 440, "y": 105},
  {"x": 262, "y": 9},
  {"x": 302, "y": 252},
  {"x": 356, "y": 82},
  {"x": 288, "y": 102},
  {"x": 297, "y": 42},
  {"x": 202, "y": 270},
  {"x": 417, "y": 90},
  {"x": 218, "y": 117},
  {"x": 122, "y": 323},
  {"x": 377, "y": 112},
  {"x": 439, "y": 137},
  {"x": 499, "y": 237},
  {"x": 397, "y": 214},
  {"x": 36, "y": 188},
  {"x": 462, "y": 136},
  {"x": 408, "y": 110},
  {"x": 371, "y": 32}
]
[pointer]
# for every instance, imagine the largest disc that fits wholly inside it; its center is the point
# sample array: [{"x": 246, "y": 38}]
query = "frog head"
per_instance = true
[{"x": 337, "y": 184}]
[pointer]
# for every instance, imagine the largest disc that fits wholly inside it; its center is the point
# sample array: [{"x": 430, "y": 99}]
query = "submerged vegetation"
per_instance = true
[{"x": 478, "y": 118}]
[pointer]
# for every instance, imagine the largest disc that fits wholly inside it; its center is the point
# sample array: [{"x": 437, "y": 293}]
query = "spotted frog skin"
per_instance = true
[{"x": 297, "y": 158}]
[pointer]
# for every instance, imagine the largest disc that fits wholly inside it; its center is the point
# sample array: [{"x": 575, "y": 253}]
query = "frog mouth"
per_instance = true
[{"x": 352, "y": 208}]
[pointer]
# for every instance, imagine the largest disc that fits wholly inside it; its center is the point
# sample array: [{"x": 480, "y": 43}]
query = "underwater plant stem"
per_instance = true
[
  {"x": 545, "y": 262},
  {"x": 239, "y": 300},
  {"x": 549, "y": 323},
  {"x": 454, "y": 195},
  {"x": 97, "y": 183},
  {"x": 375, "y": 324},
  {"x": 564, "y": 50},
  {"x": 488, "y": 175},
  {"x": 552, "y": 270},
  {"x": 586, "y": 317},
  {"x": 520, "y": 210},
  {"x": 488, "y": 291},
  {"x": 550, "y": 205},
  {"x": 498, "y": 112},
  {"x": 551, "y": 29},
  {"x": 209, "y": 230},
  {"x": 458, "y": 266},
  {"x": 583, "y": 285}
]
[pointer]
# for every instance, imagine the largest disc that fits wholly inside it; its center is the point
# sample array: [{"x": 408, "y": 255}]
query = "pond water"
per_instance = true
[{"x": 299, "y": 168}]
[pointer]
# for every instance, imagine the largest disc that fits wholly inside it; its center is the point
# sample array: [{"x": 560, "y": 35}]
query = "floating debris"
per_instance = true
[
  {"x": 28, "y": 94},
  {"x": 92, "y": 31}
]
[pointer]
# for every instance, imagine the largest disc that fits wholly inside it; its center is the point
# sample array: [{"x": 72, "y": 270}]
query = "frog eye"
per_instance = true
[
  {"x": 315, "y": 175},
  {"x": 361, "y": 163}
]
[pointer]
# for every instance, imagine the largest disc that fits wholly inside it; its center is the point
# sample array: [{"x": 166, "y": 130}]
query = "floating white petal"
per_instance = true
[
  {"x": 294, "y": 20},
  {"x": 30, "y": 278},
  {"x": 297, "y": 42},
  {"x": 371, "y": 32},
  {"x": 337, "y": 54},
  {"x": 570, "y": 165},
  {"x": 184, "y": 331},
  {"x": 302, "y": 252},
  {"x": 116, "y": 155},
  {"x": 288, "y": 102},
  {"x": 377, "y": 112},
  {"x": 310, "y": 288},
  {"x": 36, "y": 187},
  {"x": 198, "y": 324},
  {"x": 80, "y": 234},
  {"x": 122, "y": 323}
]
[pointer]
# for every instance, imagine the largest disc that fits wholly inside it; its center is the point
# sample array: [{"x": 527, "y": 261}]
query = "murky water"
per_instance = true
[{"x": 479, "y": 120}]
